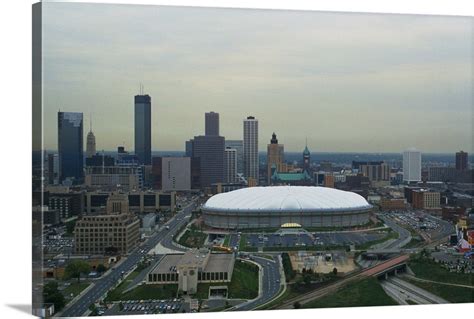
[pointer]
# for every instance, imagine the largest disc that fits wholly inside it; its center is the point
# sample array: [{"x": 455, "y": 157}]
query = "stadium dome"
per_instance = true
[{"x": 276, "y": 205}]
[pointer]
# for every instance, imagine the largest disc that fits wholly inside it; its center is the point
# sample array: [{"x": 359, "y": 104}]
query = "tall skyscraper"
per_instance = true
[
  {"x": 306, "y": 159},
  {"x": 251, "y": 148},
  {"x": 90, "y": 144},
  {"x": 275, "y": 156},
  {"x": 212, "y": 124},
  {"x": 238, "y": 145},
  {"x": 230, "y": 165},
  {"x": 210, "y": 151},
  {"x": 143, "y": 128},
  {"x": 461, "y": 161},
  {"x": 70, "y": 146},
  {"x": 411, "y": 165}
]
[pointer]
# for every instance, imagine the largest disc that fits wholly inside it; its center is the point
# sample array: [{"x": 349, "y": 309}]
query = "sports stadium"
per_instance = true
[{"x": 273, "y": 206}]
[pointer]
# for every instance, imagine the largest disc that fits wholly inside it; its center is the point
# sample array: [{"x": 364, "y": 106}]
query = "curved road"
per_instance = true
[
  {"x": 101, "y": 286},
  {"x": 270, "y": 283}
]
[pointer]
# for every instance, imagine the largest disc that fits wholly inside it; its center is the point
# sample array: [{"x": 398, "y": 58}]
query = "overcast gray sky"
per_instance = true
[{"x": 347, "y": 82}]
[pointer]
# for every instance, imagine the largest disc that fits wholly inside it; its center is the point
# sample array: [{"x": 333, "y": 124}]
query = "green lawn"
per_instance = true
[
  {"x": 364, "y": 293},
  {"x": 450, "y": 293},
  {"x": 226, "y": 240},
  {"x": 193, "y": 238},
  {"x": 426, "y": 268},
  {"x": 75, "y": 288},
  {"x": 287, "y": 267},
  {"x": 390, "y": 235},
  {"x": 414, "y": 242},
  {"x": 142, "y": 291},
  {"x": 244, "y": 283}
]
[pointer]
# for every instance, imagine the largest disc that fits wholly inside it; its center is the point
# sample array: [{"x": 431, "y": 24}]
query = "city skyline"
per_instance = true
[{"x": 346, "y": 85}]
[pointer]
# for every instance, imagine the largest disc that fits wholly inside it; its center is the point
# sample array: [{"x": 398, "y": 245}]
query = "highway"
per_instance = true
[
  {"x": 102, "y": 285},
  {"x": 270, "y": 283},
  {"x": 403, "y": 291},
  {"x": 372, "y": 271}
]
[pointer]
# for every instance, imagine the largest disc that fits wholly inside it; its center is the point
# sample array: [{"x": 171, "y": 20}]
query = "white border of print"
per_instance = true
[{"x": 15, "y": 159}]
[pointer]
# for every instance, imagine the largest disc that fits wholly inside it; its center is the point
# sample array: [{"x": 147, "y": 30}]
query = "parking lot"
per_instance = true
[
  {"x": 56, "y": 246},
  {"x": 311, "y": 239},
  {"x": 133, "y": 307}
]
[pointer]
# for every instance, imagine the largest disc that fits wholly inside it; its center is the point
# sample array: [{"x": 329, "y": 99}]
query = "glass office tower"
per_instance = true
[
  {"x": 70, "y": 146},
  {"x": 143, "y": 128}
]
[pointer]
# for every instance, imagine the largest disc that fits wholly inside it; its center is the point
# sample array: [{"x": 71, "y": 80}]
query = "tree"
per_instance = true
[
  {"x": 52, "y": 295},
  {"x": 101, "y": 268},
  {"x": 334, "y": 271},
  {"x": 70, "y": 227},
  {"x": 307, "y": 279},
  {"x": 296, "y": 305},
  {"x": 75, "y": 268}
]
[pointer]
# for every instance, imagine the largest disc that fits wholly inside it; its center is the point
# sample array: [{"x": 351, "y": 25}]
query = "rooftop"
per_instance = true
[{"x": 287, "y": 199}]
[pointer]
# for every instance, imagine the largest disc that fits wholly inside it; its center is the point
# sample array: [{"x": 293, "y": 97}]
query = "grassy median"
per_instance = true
[
  {"x": 426, "y": 268},
  {"x": 364, "y": 293},
  {"x": 450, "y": 293},
  {"x": 244, "y": 283}
]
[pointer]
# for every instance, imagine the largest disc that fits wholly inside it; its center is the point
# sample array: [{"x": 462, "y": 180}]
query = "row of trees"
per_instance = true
[{"x": 78, "y": 267}]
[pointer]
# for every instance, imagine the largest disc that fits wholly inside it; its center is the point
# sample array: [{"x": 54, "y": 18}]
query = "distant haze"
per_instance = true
[{"x": 346, "y": 82}]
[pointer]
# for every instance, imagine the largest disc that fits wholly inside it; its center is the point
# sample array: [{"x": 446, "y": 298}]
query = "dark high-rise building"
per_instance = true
[
  {"x": 68, "y": 203},
  {"x": 189, "y": 148},
  {"x": 461, "y": 161},
  {"x": 143, "y": 128},
  {"x": 210, "y": 151},
  {"x": 156, "y": 171},
  {"x": 70, "y": 146},
  {"x": 212, "y": 124},
  {"x": 195, "y": 173},
  {"x": 100, "y": 160}
]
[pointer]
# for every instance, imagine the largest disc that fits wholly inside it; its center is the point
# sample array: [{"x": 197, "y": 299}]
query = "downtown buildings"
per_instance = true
[
  {"x": 238, "y": 145},
  {"x": 462, "y": 162},
  {"x": 90, "y": 146},
  {"x": 230, "y": 165},
  {"x": 275, "y": 157},
  {"x": 114, "y": 232},
  {"x": 209, "y": 149},
  {"x": 251, "y": 149},
  {"x": 70, "y": 146},
  {"x": 143, "y": 128},
  {"x": 411, "y": 165}
]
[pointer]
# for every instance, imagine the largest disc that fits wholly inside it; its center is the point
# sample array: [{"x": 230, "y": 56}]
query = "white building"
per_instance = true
[
  {"x": 230, "y": 165},
  {"x": 238, "y": 145},
  {"x": 176, "y": 173},
  {"x": 411, "y": 165},
  {"x": 251, "y": 147}
]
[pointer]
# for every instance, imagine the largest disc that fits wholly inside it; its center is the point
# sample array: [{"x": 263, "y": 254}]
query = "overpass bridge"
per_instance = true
[{"x": 392, "y": 266}]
